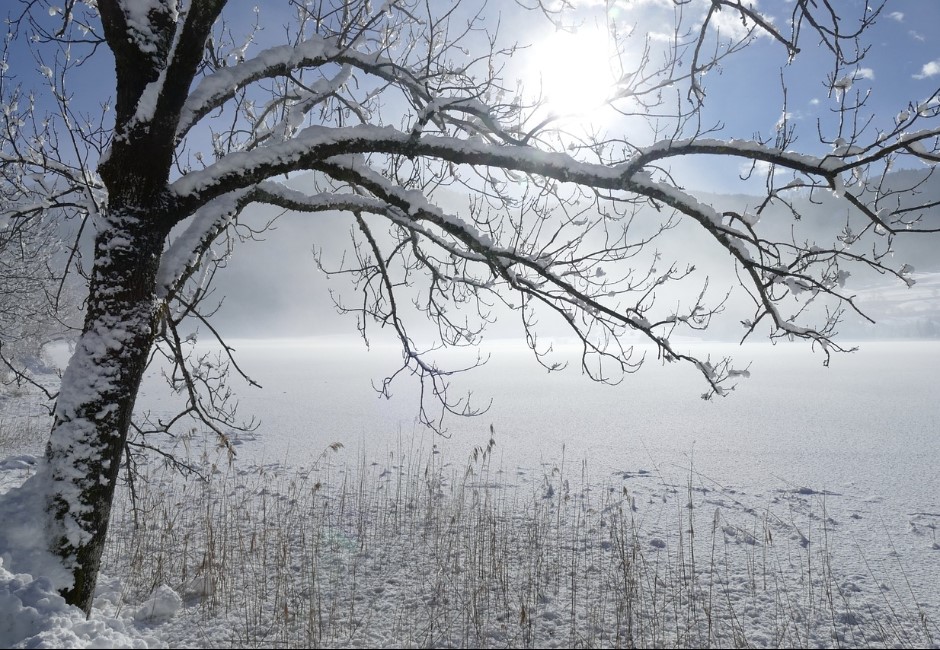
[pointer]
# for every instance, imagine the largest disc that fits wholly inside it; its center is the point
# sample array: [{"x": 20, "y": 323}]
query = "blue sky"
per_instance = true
[
  {"x": 745, "y": 93},
  {"x": 901, "y": 66},
  {"x": 745, "y": 96}
]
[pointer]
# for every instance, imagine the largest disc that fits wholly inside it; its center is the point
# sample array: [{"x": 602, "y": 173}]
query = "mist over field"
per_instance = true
[{"x": 272, "y": 286}]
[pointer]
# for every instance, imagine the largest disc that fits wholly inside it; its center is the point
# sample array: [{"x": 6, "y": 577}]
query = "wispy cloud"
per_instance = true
[
  {"x": 896, "y": 15},
  {"x": 732, "y": 24},
  {"x": 917, "y": 36},
  {"x": 929, "y": 70},
  {"x": 661, "y": 37},
  {"x": 865, "y": 73}
]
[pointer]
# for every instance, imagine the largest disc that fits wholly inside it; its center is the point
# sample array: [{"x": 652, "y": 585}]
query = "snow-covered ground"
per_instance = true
[{"x": 420, "y": 542}]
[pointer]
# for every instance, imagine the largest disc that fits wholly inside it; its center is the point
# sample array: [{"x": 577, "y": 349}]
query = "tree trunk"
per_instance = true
[{"x": 94, "y": 408}]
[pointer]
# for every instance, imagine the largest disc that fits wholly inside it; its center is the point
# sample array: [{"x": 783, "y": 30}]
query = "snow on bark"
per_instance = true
[
  {"x": 220, "y": 85},
  {"x": 138, "y": 13},
  {"x": 97, "y": 395},
  {"x": 93, "y": 383},
  {"x": 184, "y": 252},
  {"x": 319, "y": 142}
]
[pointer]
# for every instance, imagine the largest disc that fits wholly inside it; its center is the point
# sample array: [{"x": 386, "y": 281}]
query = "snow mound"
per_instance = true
[
  {"x": 162, "y": 606},
  {"x": 36, "y": 616},
  {"x": 32, "y": 613},
  {"x": 23, "y": 513}
]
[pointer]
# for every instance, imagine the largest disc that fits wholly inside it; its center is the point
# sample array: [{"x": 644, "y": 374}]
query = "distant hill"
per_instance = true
[
  {"x": 899, "y": 311},
  {"x": 824, "y": 216}
]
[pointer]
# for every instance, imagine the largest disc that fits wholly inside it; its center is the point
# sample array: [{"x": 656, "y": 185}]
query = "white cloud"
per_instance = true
[
  {"x": 814, "y": 101},
  {"x": 865, "y": 73},
  {"x": 728, "y": 23},
  {"x": 758, "y": 167},
  {"x": 929, "y": 70},
  {"x": 661, "y": 37},
  {"x": 917, "y": 36},
  {"x": 561, "y": 5},
  {"x": 896, "y": 15}
]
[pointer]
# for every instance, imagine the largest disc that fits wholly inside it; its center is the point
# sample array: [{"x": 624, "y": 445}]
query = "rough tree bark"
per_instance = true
[
  {"x": 93, "y": 415},
  {"x": 102, "y": 381}
]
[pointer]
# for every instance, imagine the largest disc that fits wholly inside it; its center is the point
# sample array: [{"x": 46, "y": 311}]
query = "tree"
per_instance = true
[{"x": 387, "y": 107}]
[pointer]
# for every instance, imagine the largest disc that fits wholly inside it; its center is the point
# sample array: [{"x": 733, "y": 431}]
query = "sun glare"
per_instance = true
[{"x": 573, "y": 70}]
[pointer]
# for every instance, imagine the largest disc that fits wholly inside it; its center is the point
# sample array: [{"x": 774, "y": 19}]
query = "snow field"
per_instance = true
[
  {"x": 413, "y": 547},
  {"x": 416, "y": 550}
]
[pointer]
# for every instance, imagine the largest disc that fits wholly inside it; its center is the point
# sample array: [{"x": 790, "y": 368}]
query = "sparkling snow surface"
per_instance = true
[
  {"x": 850, "y": 450},
  {"x": 867, "y": 425}
]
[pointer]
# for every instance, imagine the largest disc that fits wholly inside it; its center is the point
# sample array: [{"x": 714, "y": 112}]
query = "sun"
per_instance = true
[{"x": 573, "y": 71}]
